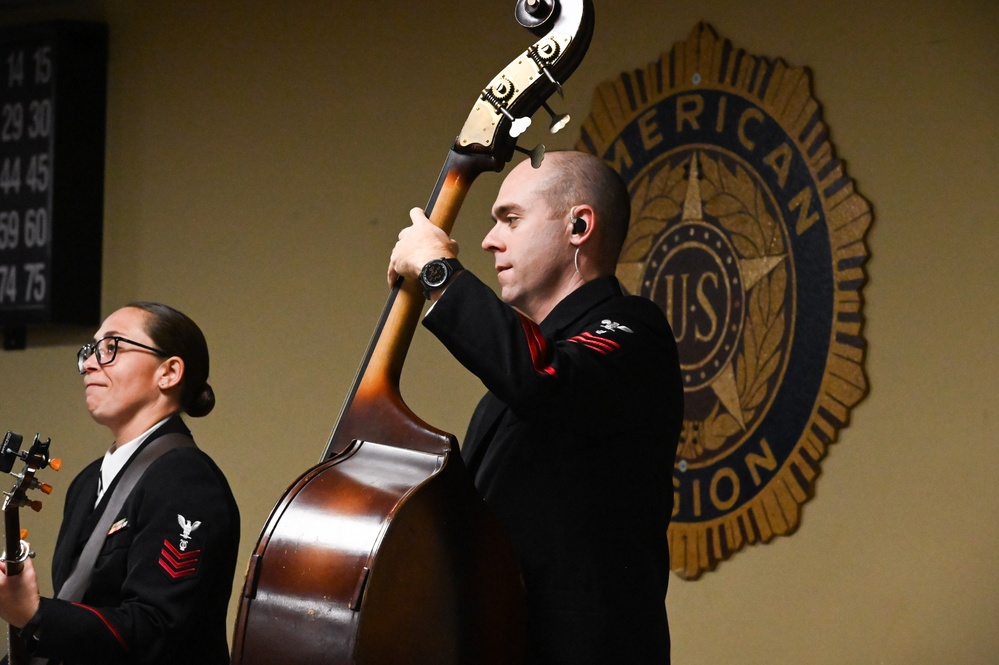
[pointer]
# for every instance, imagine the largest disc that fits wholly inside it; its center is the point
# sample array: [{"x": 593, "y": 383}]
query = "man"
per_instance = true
[{"x": 573, "y": 446}]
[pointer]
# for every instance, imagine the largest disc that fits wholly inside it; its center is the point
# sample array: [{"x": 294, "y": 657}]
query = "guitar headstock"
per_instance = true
[
  {"x": 503, "y": 109},
  {"x": 35, "y": 459}
]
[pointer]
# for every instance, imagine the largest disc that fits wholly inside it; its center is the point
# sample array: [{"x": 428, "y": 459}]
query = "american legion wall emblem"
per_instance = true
[{"x": 746, "y": 230}]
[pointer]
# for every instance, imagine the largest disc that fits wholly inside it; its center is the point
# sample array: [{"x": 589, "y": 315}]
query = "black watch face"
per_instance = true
[{"x": 434, "y": 273}]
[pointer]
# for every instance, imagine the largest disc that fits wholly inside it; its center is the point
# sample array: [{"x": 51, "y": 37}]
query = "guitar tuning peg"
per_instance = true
[
  {"x": 24, "y": 534},
  {"x": 35, "y": 505},
  {"x": 537, "y": 155},
  {"x": 45, "y": 488},
  {"x": 55, "y": 464},
  {"x": 559, "y": 120}
]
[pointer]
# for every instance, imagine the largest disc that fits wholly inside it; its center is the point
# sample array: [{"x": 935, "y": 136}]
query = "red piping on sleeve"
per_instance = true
[
  {"x": 538, "y": 347},
  {"x": 107, "y": 624}
]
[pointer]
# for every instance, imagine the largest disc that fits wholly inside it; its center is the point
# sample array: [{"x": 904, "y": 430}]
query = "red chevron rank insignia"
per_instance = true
[
  {"x": 598, "y": 344},
  {"x": 178, "y": 564}
]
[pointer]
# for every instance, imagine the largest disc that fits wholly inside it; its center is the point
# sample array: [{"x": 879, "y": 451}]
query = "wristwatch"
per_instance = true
[{"x": 437, "y": 273}]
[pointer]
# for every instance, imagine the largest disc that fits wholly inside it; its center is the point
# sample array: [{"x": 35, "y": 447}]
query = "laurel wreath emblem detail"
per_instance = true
[{"x": 736, "y": 204}]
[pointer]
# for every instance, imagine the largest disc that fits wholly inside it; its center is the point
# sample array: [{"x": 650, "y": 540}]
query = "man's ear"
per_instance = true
[
  {"x": 582, "y": 224},
  {"x": 171, "y": 372}
]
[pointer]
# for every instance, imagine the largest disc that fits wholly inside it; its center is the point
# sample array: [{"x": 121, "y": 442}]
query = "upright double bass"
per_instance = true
[{"x": 383, "y": 552}]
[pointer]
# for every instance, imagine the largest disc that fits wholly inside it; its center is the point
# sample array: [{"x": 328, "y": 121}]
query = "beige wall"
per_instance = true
[{"x": 263, "y": 155}]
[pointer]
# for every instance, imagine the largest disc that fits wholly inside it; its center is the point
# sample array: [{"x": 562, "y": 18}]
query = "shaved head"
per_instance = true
[{"x": 577, "y": 178}]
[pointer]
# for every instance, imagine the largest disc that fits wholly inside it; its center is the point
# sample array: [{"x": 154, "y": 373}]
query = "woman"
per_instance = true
[{"x": 161, "y": 574}]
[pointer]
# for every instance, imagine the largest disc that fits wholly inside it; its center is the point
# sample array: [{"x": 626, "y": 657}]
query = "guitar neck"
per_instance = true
[
  {"x": 12, "y": 538},
  {"x": 16, "y": 651}
]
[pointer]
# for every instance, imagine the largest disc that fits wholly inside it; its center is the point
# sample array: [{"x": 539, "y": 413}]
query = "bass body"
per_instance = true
[{"x": 377, "y": 556}]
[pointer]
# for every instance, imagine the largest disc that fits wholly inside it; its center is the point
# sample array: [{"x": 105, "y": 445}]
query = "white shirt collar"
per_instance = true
[{"x": 117, "y": 456}]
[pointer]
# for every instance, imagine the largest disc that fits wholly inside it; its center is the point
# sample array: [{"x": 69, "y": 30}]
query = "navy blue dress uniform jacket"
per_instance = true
[
  {"x": 161, "y": 585},
  {"x": 573, "y": 448}
]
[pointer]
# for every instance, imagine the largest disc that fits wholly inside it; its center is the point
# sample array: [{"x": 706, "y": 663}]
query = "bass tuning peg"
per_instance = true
[
  {"x": 517, "y": 125},
  {"x": 537, "y": 155},
  {"x": 559, "y": 120},
  {"x": 496, "y": 98}
]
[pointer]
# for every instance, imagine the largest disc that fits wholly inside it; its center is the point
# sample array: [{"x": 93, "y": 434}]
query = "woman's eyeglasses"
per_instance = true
[{"x": 106, "y": 349}]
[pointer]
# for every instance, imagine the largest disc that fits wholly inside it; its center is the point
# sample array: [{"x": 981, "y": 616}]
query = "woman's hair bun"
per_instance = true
[{"x": 202, "y": 404}]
